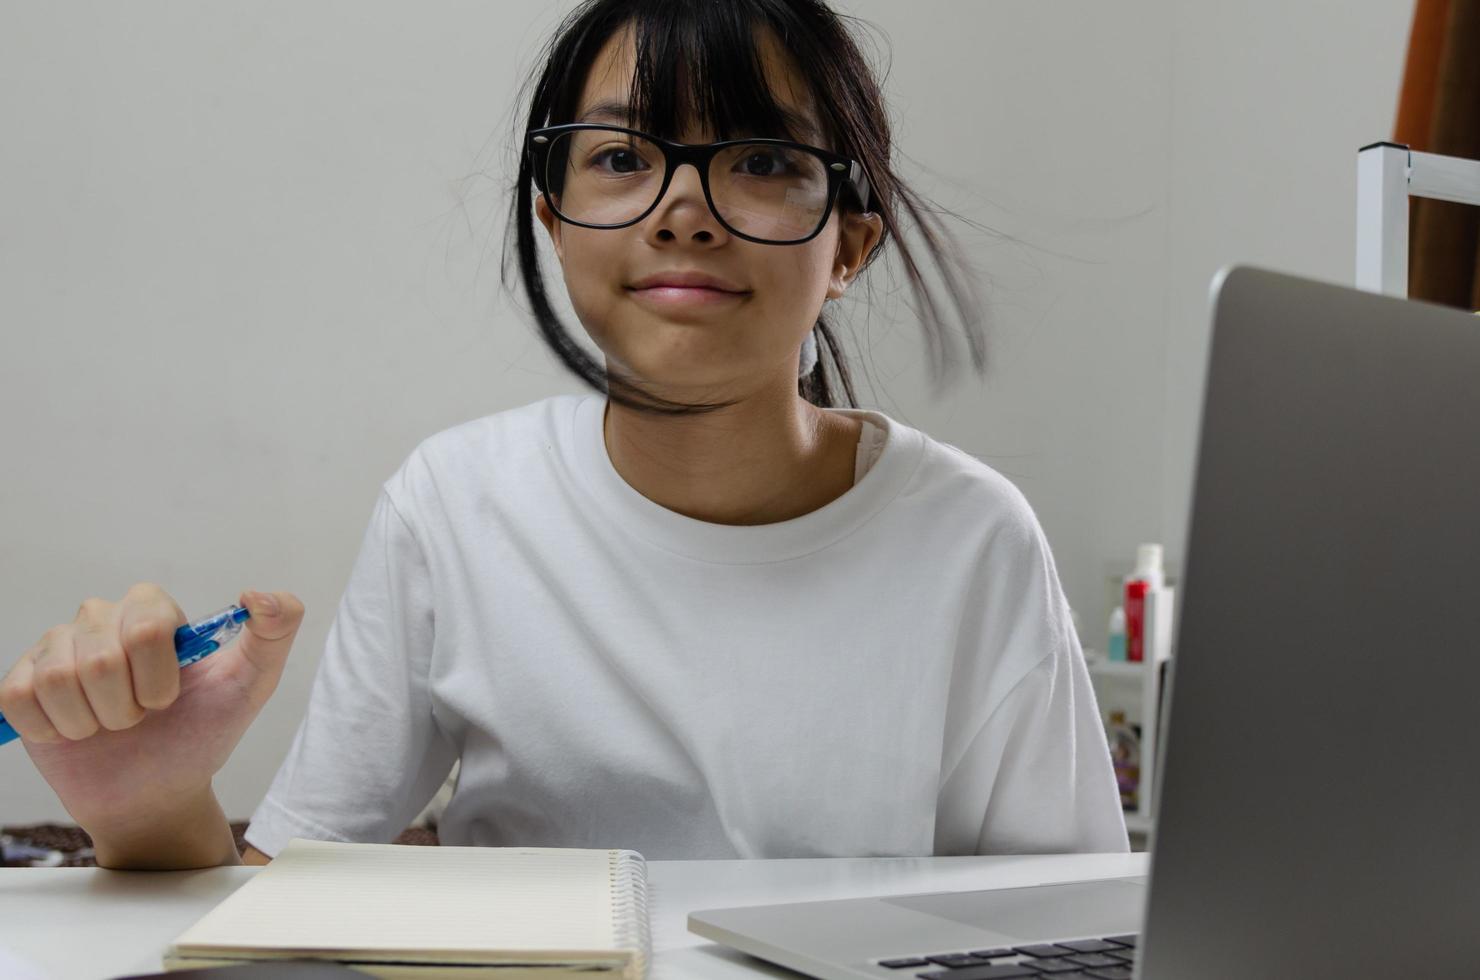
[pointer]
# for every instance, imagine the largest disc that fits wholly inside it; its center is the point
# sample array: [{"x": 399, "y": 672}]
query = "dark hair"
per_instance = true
[{"x": 712, "y": 49}]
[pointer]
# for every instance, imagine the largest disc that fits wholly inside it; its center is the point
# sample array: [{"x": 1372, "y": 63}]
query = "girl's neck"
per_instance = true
[{"x": 769, "y": 458}]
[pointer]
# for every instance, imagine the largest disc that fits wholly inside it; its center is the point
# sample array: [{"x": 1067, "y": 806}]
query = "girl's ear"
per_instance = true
[
  {"x": 858, "y": 236},
  {"x": 552, "y": 225}
]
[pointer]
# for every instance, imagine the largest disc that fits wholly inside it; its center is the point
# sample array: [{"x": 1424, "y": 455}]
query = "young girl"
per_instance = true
[{"x": 702, "y": 612}]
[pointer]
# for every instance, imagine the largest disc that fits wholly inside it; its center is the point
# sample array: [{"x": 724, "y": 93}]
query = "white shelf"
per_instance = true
[
  {"x": 1144, "y": 708},
  {"x": 1116, "y": 668}
]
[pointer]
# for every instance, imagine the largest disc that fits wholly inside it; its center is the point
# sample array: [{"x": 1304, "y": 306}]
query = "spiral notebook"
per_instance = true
[{"x": 406, "y": 912}]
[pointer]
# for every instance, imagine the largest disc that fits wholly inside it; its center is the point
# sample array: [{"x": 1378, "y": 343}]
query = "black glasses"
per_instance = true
[{"x": 775, "y": 192}]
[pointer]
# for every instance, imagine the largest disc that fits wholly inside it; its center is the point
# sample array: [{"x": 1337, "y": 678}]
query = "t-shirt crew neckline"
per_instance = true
[{"x": 749, "y": 543}]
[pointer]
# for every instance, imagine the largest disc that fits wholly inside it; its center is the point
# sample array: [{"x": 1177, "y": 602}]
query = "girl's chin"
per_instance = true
[{"x": 690, "y": 373}]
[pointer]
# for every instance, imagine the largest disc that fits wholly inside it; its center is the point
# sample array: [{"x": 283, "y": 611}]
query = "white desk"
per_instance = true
[{"x": 88, "y": 924}]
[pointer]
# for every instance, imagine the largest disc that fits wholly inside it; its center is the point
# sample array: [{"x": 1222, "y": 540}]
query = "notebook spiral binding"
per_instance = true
[{"x": 630, "y": 907}]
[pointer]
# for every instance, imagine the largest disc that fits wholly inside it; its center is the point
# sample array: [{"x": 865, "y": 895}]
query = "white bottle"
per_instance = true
[{"x": 1149, "y": 566}]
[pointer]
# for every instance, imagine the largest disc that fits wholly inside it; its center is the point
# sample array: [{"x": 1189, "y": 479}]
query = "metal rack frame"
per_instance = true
[{"x": 1388, "y": 174}]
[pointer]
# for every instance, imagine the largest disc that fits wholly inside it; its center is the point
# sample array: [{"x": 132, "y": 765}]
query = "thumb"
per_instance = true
[{"x": 268, "y": 633}]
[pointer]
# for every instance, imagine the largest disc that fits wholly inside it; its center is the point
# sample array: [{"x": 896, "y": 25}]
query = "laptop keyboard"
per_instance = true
[{"x": 1106, "y": 958}]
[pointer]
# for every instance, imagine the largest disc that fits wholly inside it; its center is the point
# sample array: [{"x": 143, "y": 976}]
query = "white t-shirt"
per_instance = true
[{"x": 894, "y": 673}]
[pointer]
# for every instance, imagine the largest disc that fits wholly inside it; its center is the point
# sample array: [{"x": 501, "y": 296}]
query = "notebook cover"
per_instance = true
[{"x": 401, "y": 911}]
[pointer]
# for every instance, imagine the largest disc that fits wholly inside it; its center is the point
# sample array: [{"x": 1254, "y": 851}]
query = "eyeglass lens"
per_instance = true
[{"x": 602, "y": 177}]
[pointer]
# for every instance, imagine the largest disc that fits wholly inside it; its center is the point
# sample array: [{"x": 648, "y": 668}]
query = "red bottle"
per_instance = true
[{"x": 1135, "y": 620}]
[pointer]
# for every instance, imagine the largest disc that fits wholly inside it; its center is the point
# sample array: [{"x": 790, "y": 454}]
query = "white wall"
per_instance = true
[{"x": 243, "y": 271}]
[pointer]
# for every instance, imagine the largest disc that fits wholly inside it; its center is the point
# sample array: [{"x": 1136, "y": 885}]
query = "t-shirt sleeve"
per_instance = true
[
  {"x": 1026, "y": 765},
  {"x": 368, "y": 754}
]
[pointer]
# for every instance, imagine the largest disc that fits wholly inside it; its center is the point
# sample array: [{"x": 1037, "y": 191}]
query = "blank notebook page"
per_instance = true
[{"x": 324, "y": 895}]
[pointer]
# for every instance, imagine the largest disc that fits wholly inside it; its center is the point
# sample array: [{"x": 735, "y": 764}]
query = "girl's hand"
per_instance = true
[{"x": 117, "y": 729}]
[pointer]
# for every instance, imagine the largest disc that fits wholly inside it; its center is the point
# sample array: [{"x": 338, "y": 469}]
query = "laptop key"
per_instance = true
[
  {"x": 992, "y": 954},
  {"x": 956, "y": 960},
  {"x": 1111, "y": 973},
  {"x": 1129, "y": 939},
  {"x": 1093, "y": 960},
  {"x": 1126, "y": 953},
  {"x": 903, "y": 961},
  {"x": 1042, "y": 949},
  {"x": 996, "y": 971},
  {"x": 1089, "y": 945},
  {"x": 1055, "y": 964}
]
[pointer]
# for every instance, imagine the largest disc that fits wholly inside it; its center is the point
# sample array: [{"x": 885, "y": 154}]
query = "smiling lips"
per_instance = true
[
  {"x": 667, "y": 289},
  {"x": 691, "y": 278}
]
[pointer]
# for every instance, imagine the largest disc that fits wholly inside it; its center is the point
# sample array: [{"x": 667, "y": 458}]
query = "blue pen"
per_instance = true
[{"x": 192, "y": 642}]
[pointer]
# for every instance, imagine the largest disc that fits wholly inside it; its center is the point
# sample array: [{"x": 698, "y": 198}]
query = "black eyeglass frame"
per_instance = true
[{"x": 841, "y": 171}]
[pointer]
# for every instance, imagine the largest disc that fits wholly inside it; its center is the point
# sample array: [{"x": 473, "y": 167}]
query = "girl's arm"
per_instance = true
[
  {"x": 368, "y": 753},
  {"x": 1026, "y": 766},
  {"x": 253, "y": 856},
  {"x": 196, "y": 836}
]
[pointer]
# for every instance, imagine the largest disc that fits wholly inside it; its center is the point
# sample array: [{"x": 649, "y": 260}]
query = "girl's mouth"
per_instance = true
[{"x": 670, "y": 297}]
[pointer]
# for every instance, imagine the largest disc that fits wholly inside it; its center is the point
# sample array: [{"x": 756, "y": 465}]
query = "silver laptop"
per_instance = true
[{"x": 1319, "y": 796}]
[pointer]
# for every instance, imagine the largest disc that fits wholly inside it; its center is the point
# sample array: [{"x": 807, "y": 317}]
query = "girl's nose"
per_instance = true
[{"x": 683, "y": 203}]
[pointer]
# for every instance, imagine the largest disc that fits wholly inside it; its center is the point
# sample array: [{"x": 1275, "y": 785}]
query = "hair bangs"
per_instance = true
[{"x": 699, "y": 67}]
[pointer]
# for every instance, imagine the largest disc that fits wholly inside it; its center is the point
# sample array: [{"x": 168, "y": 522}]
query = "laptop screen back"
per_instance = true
[{"x": 1320, "y": 813}]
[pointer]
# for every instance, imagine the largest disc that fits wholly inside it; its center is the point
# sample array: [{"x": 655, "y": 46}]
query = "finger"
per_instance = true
[
  {"x": 107, "y": 682},
  {"x": 147, "y": 636},
  {"x": 148, "y": 592},
  {"x": 58, "y": 690},
  {"x": 19, "y": 705},
  {"x": 269, "y": 632}
]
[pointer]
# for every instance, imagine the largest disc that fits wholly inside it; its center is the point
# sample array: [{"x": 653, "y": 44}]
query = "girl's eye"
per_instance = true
[
  {"x": 623, "y": 159},
  {"x": 766, "y": 162}
]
